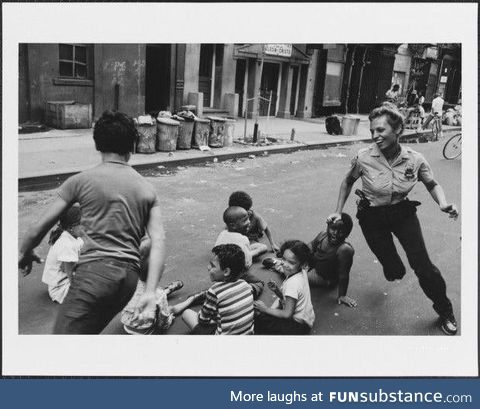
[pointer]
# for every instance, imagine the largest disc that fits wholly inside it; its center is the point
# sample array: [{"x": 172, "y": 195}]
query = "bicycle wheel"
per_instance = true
[{"x": 453, "y": 147}]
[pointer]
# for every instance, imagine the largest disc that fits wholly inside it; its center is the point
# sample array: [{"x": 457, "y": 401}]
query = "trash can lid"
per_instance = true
[
  {"x": 202, "y": 120},
  {"x": 167, "y": 121},
  {"x": 178, "y": 118},
  {"x": 229, "y": 120},
  {"x": 216, "y": 118}
]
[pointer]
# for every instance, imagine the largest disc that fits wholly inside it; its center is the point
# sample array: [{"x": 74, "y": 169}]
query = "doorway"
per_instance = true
[
  {"x": 240, "y": 71},
  {"x": 269, "y": 84},
  {"x": 157, "y": 77},
  {"x": 294, "y": 91},
  {"x": 205, "y": 73}
]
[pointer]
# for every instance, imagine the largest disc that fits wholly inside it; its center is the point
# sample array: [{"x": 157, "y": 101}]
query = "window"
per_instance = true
[
  {"x": 333, "y": 84},
  {"x": 332, "y": 93},
  {"x": 73, "y": 60}
]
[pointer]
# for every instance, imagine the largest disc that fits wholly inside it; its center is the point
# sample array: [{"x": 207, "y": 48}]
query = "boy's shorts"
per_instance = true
[{"x": 163, "y": 317}]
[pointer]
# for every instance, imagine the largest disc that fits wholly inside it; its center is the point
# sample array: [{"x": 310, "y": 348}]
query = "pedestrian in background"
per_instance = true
[
  {"x": 393, "y": 93},
  {"x": 437, "y": 109},
  {"x": 389, "y": 171},
  {"x": 118, "y": 206}
]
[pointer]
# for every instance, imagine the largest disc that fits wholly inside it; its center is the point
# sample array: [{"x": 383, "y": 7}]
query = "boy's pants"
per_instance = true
[{"x": 98, "y": 291}]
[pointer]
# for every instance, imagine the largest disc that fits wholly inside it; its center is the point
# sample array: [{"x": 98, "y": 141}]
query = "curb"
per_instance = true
[{"x": 50, "y": 181}]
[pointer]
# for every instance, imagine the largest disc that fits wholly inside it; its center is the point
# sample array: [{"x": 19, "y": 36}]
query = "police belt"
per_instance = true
[{"x": 395, "y": 212}]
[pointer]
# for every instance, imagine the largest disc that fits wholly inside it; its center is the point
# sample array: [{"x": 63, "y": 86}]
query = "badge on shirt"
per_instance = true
[{"x": 409, "y": 170}]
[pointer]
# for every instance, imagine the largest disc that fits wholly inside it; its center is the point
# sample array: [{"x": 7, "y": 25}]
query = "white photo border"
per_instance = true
[{"x": 357, "y": 356}]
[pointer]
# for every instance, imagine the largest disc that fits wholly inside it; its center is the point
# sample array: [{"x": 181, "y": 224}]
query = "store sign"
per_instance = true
[{"x": 282, "y": 50}]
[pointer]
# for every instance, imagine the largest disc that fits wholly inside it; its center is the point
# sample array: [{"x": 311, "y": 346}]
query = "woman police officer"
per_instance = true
[{"x": 389, "y": 171}]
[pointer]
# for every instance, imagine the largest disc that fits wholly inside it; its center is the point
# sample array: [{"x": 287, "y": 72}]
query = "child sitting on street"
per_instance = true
[
  {"x": 136, "y": 325},
  {"x": 228, "y": 307},
  {"x": 332, "y": 259},
  {"x": 63, "y": 255},
  {"x": 237, "y": 222},
  {"x": 258, "y": 226},
  {"x": 292, "y": 312}
]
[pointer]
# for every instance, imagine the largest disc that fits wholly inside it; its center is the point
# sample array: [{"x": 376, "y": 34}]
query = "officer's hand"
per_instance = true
[
  {"x": 332, "y": 218},
  {"x": 26, "y": 260},
  {"x": 451, "y": 209},
  {"x": 350, "y": 302}
]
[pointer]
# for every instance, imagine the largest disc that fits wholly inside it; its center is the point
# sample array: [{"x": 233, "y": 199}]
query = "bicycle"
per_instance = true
[{"x": 453, "y": 147}]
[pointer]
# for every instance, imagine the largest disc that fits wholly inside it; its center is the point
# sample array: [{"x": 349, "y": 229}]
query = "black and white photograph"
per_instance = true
[{"x": 308, "y": 189}]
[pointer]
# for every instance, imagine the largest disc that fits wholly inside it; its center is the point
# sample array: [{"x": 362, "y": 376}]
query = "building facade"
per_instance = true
[{"x": 282, "y": 80}]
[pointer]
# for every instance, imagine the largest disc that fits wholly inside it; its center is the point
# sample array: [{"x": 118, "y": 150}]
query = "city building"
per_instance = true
[{"x": 281, "y": 80}]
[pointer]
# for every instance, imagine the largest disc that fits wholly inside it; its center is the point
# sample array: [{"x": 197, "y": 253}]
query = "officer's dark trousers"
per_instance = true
[{"x": 378, "y": 224}]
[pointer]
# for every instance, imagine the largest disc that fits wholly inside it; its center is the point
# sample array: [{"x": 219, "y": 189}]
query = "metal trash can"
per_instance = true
[
  {"x": 229, "y": 132},
  {"x": 167, "y": 134},
  {"x": 350, "y": 125},
  {"x": 185, "y": 131},
  {"x": 201, "y": 131},
  {"x": 147, "y": 137},
  {"x": 217, "y": 131}
]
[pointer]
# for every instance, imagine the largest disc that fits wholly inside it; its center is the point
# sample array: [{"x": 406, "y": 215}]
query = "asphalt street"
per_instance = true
[{"x": 294, "y": 192}]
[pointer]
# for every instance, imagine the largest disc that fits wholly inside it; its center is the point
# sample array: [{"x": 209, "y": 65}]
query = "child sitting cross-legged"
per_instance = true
[
  {"x": 292, "y": 312},
  {"x": 237, "y": 222},
  {"x": 228, "y": 307},
  {"x": 258, "y": 226}
]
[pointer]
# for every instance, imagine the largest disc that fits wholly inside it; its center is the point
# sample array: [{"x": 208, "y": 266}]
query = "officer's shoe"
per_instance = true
[{"x": 449, "y": 324}]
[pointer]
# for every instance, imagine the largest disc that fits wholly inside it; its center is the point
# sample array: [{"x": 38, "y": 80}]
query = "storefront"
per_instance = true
[{"x": 273, "y": 73}]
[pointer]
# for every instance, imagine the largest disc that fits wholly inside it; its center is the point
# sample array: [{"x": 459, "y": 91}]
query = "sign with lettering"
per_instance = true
[{"x": 282, "y": 50}]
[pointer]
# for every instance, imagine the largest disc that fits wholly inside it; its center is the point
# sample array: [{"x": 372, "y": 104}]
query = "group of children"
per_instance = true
[{"x": 231, "y": 305}]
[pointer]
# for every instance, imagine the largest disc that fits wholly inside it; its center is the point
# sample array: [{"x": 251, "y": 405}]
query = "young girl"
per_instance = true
[
  {"x": 63, "y": 254},
  {"x": 292, "y": 314}
]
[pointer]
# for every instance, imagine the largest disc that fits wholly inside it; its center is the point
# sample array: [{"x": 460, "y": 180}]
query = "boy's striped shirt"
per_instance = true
[{"x": 230, "y": 306}]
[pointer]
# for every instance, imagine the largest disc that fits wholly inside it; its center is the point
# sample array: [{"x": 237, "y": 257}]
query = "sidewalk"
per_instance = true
[{"x": 61, "y": 153}]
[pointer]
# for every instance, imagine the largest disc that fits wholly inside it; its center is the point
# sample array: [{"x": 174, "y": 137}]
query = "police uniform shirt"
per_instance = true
[{"x": 388, "y": 184}]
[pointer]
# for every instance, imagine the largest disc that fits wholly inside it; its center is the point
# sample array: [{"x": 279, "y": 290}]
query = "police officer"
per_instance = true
[{"x": 389, "y": 171}]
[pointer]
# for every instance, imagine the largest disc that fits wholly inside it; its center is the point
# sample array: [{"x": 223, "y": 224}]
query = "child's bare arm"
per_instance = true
[
  {"x": 286, "y": 312},
  {"x": 273, "y": 245},
  {"x": 344, "y": 264}
]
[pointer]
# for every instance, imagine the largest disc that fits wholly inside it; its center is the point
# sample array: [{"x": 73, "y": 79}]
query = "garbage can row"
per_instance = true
[{"x": 177, "y": 132}]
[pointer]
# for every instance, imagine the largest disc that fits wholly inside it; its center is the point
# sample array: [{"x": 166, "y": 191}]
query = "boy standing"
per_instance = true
[
  {"x": 228, "y": 308},
  {"x": 118, "y": 206}
]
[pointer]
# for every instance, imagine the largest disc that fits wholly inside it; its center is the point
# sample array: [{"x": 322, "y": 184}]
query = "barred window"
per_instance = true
[{"x": 73, "y": 60}]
